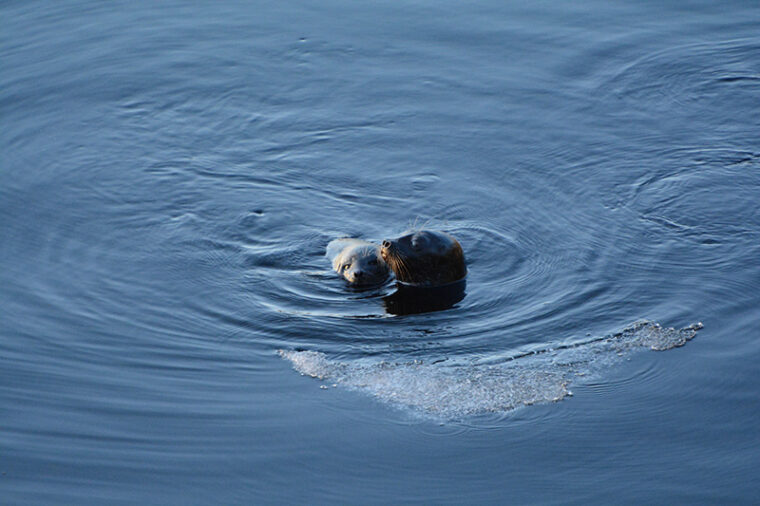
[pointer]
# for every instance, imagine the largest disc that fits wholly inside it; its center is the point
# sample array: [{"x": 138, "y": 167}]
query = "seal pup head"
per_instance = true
[
  {"x": 359, "y": 262},
  {"x": 425, "y": 258}
]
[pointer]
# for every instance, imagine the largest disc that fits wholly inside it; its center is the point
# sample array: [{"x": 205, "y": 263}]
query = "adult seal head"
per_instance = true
[
  {"x": 425, "y": 258},
  {"x": 359, "y": 262}
]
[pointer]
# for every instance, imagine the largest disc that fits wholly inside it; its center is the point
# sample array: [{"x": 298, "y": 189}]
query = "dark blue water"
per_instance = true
[{"x": 172, "y": 172}]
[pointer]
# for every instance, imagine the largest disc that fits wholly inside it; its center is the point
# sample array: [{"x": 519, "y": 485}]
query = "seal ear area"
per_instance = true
[{"x": 420, "y": 241}]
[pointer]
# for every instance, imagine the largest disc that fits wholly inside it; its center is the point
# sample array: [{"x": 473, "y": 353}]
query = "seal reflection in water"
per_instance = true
[
  {"x": 430, "y": 269},
  {"x": 359, "y": 262}
]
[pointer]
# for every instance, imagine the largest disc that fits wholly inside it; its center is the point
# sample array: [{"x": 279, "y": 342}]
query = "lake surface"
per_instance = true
[{"x": 171, "y": 331}]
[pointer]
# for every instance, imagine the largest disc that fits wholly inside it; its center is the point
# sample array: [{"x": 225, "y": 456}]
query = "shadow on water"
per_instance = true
[{"x": 409, "y": 299}]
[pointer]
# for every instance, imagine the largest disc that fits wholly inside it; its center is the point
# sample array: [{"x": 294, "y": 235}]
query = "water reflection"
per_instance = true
[{"x": 410, "y": 299}]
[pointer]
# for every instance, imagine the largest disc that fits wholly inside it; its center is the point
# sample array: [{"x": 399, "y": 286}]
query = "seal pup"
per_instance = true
[
  {"x": 359, "y": 262},
  {"x": 425, "y": 258}
]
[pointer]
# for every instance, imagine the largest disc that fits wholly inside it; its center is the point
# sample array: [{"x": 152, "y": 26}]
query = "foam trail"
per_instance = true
[{"x": 455, "y": 388}]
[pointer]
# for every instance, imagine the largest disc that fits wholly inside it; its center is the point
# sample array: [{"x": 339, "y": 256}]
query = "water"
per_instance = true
[{"x": 172, "y": 173}]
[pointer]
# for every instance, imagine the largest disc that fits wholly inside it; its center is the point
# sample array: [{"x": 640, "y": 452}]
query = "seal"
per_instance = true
[
  {"x": 425, "y": 258},
  {"x": 359, "y": 262}
]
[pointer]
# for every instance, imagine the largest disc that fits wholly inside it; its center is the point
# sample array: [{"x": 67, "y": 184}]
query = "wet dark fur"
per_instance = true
[{"x": 425, "y": 258}]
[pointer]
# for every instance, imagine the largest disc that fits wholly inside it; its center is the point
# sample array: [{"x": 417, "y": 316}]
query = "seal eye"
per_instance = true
[{"x": 345, "y": 267}]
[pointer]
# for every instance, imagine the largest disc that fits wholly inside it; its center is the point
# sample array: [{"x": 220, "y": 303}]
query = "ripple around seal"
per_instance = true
[
  {"x": 172, "y": 173},
  {"x": 502, "y": 264},
  {"x": 463, "y": 387}
]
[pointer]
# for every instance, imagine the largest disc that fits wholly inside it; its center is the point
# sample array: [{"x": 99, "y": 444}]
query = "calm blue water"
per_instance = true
[{"x": 172, "y": 172}]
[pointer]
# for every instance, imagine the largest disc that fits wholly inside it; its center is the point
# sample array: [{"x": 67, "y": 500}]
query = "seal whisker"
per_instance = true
[{"x": 400, "y": 268}]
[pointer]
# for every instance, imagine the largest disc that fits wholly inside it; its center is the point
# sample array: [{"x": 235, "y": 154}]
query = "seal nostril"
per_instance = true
[{"x": 386, "y": 244}]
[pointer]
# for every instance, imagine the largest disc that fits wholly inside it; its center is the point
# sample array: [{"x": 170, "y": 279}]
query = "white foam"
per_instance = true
[{"x": 455, "y": 388}]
